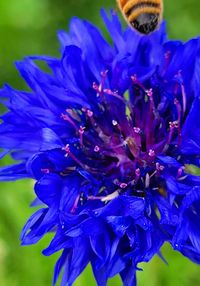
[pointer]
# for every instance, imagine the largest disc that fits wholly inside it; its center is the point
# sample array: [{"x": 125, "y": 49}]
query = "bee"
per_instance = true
[{"x": 144, "y": 16}]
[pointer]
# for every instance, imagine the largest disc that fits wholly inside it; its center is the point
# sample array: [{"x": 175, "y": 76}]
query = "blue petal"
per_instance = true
[
  {"x": 62, "y": 261},
  {"x": 48, "y": 189},
  {"x": 100, "y": 244},
  {"x": 128, "y": 276},
  {"x": 124, "y": 206},
  {"x": 13, "y": 172},
  {"x": 193, "y": 119},
  {"x": 80, "y": 259}
]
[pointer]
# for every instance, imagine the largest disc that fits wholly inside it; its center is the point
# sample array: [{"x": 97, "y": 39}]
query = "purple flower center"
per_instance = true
[{"x": 124, "y": 150}]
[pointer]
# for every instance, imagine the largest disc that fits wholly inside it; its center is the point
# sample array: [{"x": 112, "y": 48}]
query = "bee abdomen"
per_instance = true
[
  {"x": 143, "y": 15},
  {"x": 131, "y": 6}
]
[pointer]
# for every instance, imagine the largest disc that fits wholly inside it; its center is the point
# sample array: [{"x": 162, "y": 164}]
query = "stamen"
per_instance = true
[
  {"x": 180, "y": 172},
  {"x": 114, "y": 122},
  {"x": 136, "y": 81},
  {"x": 173, "y": 124},
  {"x": 74, "y": 208},
  {"x": 154, "y": 173},
  {"x": 151, "y": 153},
  {"x": 137, "y": 174},
  {"x": 45, "y": 171},
  {"x": 94, "y": 198},
  {"x": 110, "y": 197},
  {"x": 113, "y": 93},
  {"x": 159, "y": 167},
  {"x": 137, "y": 130},
  {"x": 104, "y": 74},
  {"x": 68, "y": 119},
  {"x": 178, "y": 108},
  {"x": 99, "y": 88},
  {"x": 147, "y": 181},
  {"x": 171, "y": 131},
  {"x": 182, "y": 178},
  {"x": 149, "y": 93},
  {"x": 69, "y": 153},
  {"x": 184, "y": 98},
  {"x": 84, "y": 109},
  {"x": 66, "y": 149},
  {"x": 105, "y": 198},
  {"x": 96, "y": 149},
  {"x": 167, "y": 55},
  {"x": 123, "y": 185},
  {"x": 89, "y": 113},
  {"x": 81, "y": 131},
  {"x": 179, "y": 78}
]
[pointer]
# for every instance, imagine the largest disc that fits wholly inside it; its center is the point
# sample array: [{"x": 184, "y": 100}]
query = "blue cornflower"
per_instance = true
[{"x": 110, "y": 136}]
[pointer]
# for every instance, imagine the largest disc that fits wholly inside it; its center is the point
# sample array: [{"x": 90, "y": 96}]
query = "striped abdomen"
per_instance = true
[{"x": 142, "y": 15}]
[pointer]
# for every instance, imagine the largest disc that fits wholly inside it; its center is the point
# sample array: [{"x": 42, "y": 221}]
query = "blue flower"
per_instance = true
[{"x": 109, "y": 135}]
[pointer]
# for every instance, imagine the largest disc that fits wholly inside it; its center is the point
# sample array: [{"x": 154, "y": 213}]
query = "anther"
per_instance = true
[
  {"x": 149, "y": 92},
  {"x": 174, "y": 124},
  {"x": 45, "y": 171},
  {"x": 134, "y": 78},
  {"x": 97, "y": 88},
  {"x": 176, "y": 101},
  {"x": 84, "y": 109},
  {"x": 81, "y": 130},
  {"x": 137, "y": 130},
  {"x": 123, "y": 185},
  {"x": 137, "y": 173},
  {"x": 159, "y": 167},
  {"x": 104, "y": 73},
  {"x": 67, "y": 150},
  {"x": 89, "y": 113},
  {"x": 114, "y": 122},
  {"x": 96, "y": 149},
  {"x": 151, "y": 153},
  {"x": 180, "y": 171}
]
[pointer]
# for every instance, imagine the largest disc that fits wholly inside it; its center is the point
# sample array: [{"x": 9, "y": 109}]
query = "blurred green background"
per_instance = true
[{"x": 28, "y": 27}]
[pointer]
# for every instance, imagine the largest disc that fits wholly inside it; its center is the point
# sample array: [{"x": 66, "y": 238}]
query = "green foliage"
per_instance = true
[
  {"x": 29, "y": 27},
  {"x": 192, "y": 169}
]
